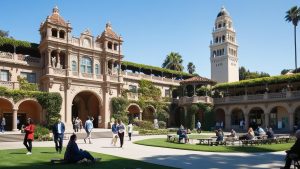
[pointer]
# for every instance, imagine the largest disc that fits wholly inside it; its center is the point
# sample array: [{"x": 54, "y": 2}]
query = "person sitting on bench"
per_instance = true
[
  {"x": 270, "y": 133},
  {"x": 219, "y": 134},
  {"x": 293, "y": 153},
  {"x": 73, "y": 154},
  {"x": 182, "y": 134}
]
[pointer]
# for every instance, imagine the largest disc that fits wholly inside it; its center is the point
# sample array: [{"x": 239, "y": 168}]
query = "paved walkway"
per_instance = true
[{"x": 172, "y": 157}]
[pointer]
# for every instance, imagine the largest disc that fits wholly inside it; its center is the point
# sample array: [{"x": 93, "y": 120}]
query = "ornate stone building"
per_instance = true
[
  {"x": 223, "y": 50},
  {"x": 85, "y": 70}
]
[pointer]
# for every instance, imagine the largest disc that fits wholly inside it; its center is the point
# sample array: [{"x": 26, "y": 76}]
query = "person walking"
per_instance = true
[
  {"x": 199, "y": 126},
  {"x": 130, "y": 130},
  {"x": 58, "y": 133},
  {"x": 293, "y": 153},
  {"x": 3, "y": 123},
  {"x": 121, "y": 132},
  {"x": 88, "y": 126},
  {"x": 114, "y": 131},
  {"x": 29, "y": 135},
  {"x": 80, "y": 124}
]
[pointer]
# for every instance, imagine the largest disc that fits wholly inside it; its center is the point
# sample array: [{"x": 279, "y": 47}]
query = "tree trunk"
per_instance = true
[{"x": 295, "y": 49}]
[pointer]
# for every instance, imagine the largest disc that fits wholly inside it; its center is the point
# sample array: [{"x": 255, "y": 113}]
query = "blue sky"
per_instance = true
[{"x": 153, "y": 28}]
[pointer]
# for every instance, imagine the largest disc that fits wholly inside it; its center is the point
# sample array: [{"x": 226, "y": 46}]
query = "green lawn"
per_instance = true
[
  {"x": 161, "y": 142},
  {"x": 40, "y": 159}
]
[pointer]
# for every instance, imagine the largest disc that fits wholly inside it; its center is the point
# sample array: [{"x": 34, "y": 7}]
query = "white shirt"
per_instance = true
[
  {"x": 130, "y": 128},
  {"x": 59, "y": 128}
]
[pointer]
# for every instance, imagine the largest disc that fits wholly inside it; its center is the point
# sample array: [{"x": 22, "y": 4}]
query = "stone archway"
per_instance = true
[
  {"x": 279, "y": 118},
  {"x": 6, "y": 111},
  {"x": 29, "y": 108},
  {"x": 87, "y": 104},
  {"x": 219, "y": 118},
  {"x": 237, "y": 115},
  {"x": 134, "y": 112},
  {"x": 148, "y": 114},
  {"x": 256, "y": 117}
]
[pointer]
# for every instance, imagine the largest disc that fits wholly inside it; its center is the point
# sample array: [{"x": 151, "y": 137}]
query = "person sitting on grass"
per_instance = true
[
  {"x": 73, "y": 154},
  {"x": 293, "y": 153}
]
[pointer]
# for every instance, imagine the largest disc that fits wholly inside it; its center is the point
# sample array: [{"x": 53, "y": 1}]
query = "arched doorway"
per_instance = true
[
  {"x": 29, "y": 109},
  {"x": 256, "y": 117},
  {"x": 297, "y": 117},
  {"x": 219, "y": 118},
  {"x": 86, "y": 104},
  {"x": 6, "y": 112},
  {"x": 134, "y": 112},
  {"x": 279, "y": 118},
  {"x": 148, "y": 114},
  {"x": 237, "y": 115},
  {"x": 199, "y": 116}
]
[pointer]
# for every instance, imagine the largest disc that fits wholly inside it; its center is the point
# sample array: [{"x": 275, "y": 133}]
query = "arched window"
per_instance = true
[
  {"x": 74, "y": 66},
  {"x": 86, "y": 65},
  {"x": 54, "y": 32},
  {"x": 97, "y": 69},
  {"x": 62, "y": 34},
  {"x": 109, "y": 45},
  {"x": 223, "y": 38},
  {"x": 115, "y": 46}
]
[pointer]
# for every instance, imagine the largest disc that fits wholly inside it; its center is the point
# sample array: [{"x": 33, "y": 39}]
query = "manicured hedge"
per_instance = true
[
  {"x": 260, "y": 81},
  {"x": 22, "y": 47},
  {"x": 154, "y": 68}
]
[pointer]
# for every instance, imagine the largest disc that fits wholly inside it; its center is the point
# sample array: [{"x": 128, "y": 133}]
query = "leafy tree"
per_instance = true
[
  {"x": 173, "y": 61},
  {"x": 148, "y": 91},
  {"x": 191, "y": 115},
  {"x": 247, "y": 74},
  {"x": 293, "y": 15},
  {"x": 25, "y": 85},
  {"x": 4, "y": 33},
  {"x": 191, "y": 68},
  {"x": 284, "y": 71}
]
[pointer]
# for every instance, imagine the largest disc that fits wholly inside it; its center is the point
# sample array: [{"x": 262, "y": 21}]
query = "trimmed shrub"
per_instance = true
[
  {"x": 41, "y": 133},
  {"x": 153, "y": 132},
  {"x": 162, "y": 124},
  {"x": 144, "y": 124}
]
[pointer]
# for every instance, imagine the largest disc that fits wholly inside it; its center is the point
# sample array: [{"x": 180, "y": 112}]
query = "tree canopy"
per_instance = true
[
  {"x": 173, "y": 61},
  {"x": 191, "y": 67},
  {"x": 247, "y": 74}
]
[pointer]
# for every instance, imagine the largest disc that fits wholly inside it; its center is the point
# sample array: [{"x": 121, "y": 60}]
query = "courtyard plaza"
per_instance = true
[{"x": 170, "y": 157}]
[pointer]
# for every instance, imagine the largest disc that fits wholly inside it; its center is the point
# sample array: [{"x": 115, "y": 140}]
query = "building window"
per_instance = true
[
  {"x": 74, "y": 66},
  {"x": 4, "y": 75},
  {"x": 86, "y": 65},
  {"x": 132, "y": 88},
  {"x": 62, "y": 34},
  {"x": 167, "y": 92},
  {"x": 97, "y": 69},
  {"x": 109, "y": 45},
  {"x": 54, "y": 32},
  {"x": 30, "y": 77},
  {"x": 115, "y": 46}
]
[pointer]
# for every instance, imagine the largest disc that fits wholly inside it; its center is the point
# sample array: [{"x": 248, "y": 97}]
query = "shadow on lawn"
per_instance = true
[{"x": 221, "y": 161}]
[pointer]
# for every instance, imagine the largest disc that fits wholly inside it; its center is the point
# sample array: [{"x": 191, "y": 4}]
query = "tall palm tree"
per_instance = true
[
  {"x": 191, "y": 68},
  {"x": 173, "y": 61},
  {"x": 293, "y": 15}
]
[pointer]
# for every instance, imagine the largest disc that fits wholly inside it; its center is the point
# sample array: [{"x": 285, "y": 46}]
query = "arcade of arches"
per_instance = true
[
  {"x": 135, "y": 112},
  {"x": 15, "y": 114},
  {"x": 279, "y": 117},
  {"x": 86, "y": 104}
]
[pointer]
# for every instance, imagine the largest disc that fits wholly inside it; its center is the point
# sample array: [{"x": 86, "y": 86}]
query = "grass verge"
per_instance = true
[{"x": 161, "y": 142}]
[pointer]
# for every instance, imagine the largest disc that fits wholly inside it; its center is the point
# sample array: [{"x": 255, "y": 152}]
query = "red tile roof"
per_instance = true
[{"x": 198, "y": 79}]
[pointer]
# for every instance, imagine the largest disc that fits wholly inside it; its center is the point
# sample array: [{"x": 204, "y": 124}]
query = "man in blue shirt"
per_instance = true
[
  {"x": 58, "y": 133},
  {"x": 114, "y": 131},
  {"x": 198, "y": 127},
  {"x": 88, "y": 126}
]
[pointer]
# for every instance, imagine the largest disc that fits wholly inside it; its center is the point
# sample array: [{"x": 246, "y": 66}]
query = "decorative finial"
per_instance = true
[
  {"x": 108, "y": 25},
  {"x": 55, "y": 10}
]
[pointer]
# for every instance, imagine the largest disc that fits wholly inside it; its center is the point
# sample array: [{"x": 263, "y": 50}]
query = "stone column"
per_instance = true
[
  {"x": 267, "y": 121},
  {"x": 15, "y": 119},
  {"x": 227, "y": 121},
  {"x": 246, "y": 121},
  {"x": 49, "y": 58},
  {"x": 58, "y": 59},
  {"x": 194, "y": 90},
  {"x": 291, "y": 121}
]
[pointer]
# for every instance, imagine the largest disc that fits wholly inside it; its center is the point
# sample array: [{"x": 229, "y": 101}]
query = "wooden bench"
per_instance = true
[{"x": 252, "y": 142}]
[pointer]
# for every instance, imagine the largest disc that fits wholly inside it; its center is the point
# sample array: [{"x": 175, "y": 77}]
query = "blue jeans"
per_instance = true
[{"x": 2, "y": 129}]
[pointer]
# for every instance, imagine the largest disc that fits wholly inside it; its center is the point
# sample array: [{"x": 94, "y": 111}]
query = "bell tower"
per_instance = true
[{"x": 223, "y": 50}]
